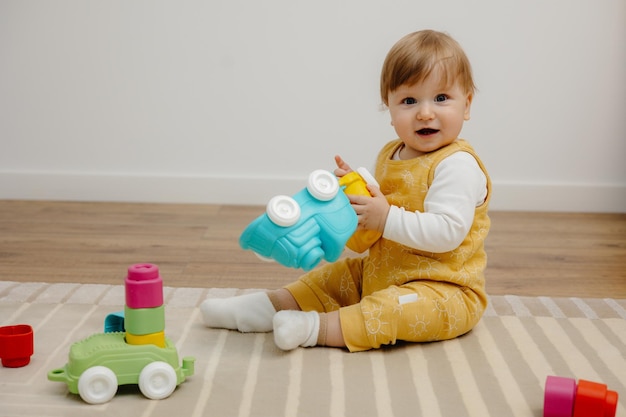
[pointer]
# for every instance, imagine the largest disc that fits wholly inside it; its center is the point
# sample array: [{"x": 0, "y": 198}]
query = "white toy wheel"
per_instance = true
[
  {"x": 322, "y": 185},
  {"x": 283, "y": 211},
  {"x": 157, "y": 380},
  {"x": 97, "y": 385}
]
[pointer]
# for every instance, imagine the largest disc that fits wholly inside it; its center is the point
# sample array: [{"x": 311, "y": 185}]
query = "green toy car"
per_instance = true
[{"x": 101, "y": 362}]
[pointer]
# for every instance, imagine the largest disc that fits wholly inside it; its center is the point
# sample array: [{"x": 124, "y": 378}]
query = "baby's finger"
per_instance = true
[
  {"x": 357, "y": 199},
  {"x": 374, "y": 190},
  {"x": 341, "y": 164}
]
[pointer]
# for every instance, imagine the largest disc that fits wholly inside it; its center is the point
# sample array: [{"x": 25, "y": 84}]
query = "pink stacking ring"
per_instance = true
[
  {"x": 144, "y": 286},
  {"x": 559, "y": 397}
]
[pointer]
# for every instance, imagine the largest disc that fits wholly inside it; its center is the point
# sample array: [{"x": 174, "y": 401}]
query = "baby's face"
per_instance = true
[{"x": 428, "y": 116}]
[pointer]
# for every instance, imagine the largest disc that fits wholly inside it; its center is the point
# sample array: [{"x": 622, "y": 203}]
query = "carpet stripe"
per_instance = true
[
  {"x": 596, "y": 348},
  {"x": 517, "y": 304},
  {"x": 89, "y": 294},
  {"x": 381, "y": 385},
  {"x": 248, "y": 388},
  {"x": 446, "y": 386},
  {"x": 21, "y": 293},
  {"x": 513, "y": 338},
  {"x": 296, "y": 359},
  {"x": 567, "y": 347},
  {"x": 69, "y": 337},
  {"x": 13, "y": 318},
  {"x": 585, "y": 308},
  {"x": 114, "y": 297},
  {"x": 507, "y": 386},
  {"x": 316, "y": 384},
  {"x": 361, "y": 394},
  {"x": 6, "y": 287},
  {"x": 187, "y": 329},
  {"x": 616, "y": 307},
  {"x": 337, "y": 382},
  {"x": 209, "y": 374},
  {"x": 608, "y": 355},
  {"x": 527, "y": 346},
  {"x": 619, "y": 329},
  {"x": 401, "y": 387},
  {"x": 57, "y": 293},
  {"x": 429, "y": 406},
  {"x": 472, "y": 398},
  {"x": 552, "y": 307}
]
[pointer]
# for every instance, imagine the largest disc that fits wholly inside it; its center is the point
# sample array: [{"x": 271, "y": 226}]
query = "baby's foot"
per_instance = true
[
  {"x": 296, "y": 328},
  {"x": 246, "y": 313}
]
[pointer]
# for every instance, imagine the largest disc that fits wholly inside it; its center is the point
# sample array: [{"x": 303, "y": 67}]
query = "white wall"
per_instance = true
[{"x": 234, "y": 101}]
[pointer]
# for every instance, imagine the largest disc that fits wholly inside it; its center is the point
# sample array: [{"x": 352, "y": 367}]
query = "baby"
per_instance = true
[{"x": 423, "y": 280}]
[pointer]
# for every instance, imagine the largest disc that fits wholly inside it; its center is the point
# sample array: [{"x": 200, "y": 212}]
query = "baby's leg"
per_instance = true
[
  {"x": 419, "y": 311},
  {"x": 306, "y": 329},
  {"x": 321, "y": 293},
  {"x": 283, "y": 300},
  {"x": 246, "y": 313}
]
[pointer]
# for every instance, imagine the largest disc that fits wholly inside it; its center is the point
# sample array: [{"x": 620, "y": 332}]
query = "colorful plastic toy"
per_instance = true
[
  {"x": 299, "y": 232},
  {"x": 144, "y": 286},
  {"x": 356, "y": 182},
  {"x": 114, "y": 322},
  {"x": 16, "y": 345},
  {"x": 589, "y": 399},
  {"x": 133, "y": 349}
]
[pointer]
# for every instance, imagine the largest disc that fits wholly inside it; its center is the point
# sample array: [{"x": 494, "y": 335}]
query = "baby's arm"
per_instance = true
[{"x": 459, "y": 185}]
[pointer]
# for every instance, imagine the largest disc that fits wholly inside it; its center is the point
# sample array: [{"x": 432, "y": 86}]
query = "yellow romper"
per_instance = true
[{"x": 396, "y": 292}]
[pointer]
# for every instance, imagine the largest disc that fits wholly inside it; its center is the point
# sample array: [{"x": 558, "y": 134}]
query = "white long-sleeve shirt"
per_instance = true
[{"x": 458, "y": 187}]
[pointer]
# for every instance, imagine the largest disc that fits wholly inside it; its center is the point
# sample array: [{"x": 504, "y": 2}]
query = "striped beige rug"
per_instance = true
[{"x": 497, "y": 370}]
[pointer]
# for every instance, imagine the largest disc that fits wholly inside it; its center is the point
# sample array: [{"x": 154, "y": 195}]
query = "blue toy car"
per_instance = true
[{"x": 300, "y": 231}]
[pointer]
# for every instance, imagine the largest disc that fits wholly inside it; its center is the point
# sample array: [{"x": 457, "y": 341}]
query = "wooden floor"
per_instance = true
[{"x": 551, "y": 254}]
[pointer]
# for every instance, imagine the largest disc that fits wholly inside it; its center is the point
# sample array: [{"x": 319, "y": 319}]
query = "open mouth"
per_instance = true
[{"x": 427, "y": 131}]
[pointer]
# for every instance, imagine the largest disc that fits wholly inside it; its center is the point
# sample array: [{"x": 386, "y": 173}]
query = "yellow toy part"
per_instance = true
[
  {"x": 157, "y": 339},
  {"x": 355, "y": 183}
]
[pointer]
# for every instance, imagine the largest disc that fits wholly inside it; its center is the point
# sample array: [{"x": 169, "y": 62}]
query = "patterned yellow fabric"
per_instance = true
[{"x": 400, "y": 293}]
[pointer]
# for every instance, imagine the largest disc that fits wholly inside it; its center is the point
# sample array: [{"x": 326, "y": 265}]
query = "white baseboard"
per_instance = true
[
  {"x": 257, "y": 191},
  {"x": 579, "y": 198}
]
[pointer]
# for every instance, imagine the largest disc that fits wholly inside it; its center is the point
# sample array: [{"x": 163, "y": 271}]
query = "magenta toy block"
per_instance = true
[
  {"x": 144, "y": 286},
  {"x": 559, "y": 397}
]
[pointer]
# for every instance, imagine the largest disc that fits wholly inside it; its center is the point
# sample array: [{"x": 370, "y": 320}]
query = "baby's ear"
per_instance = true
[{"x": 468, "y": 106}]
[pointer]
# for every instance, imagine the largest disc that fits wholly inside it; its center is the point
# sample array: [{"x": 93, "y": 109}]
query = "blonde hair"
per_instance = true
[{"x": 415, "y": 56}]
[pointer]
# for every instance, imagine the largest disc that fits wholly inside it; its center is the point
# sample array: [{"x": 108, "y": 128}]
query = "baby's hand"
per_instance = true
[
  {"x": 371, "y": 211},
  {"x": 342, "y": 167}
]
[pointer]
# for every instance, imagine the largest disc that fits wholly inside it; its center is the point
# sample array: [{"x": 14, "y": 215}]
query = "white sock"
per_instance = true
[
  {"x": 246, "y": 313},
  {"x": 296, "y": 328}
]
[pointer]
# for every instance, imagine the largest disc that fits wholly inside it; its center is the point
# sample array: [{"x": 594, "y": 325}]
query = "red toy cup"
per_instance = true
[
  {"x": 594, "y": 400},
  {"x": 16, "y": 345}
]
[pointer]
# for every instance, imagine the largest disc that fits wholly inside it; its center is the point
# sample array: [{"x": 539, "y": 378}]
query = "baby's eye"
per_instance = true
[
  {"x": 409, "y": 100},
  {"x": 441, "y": 98}
]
